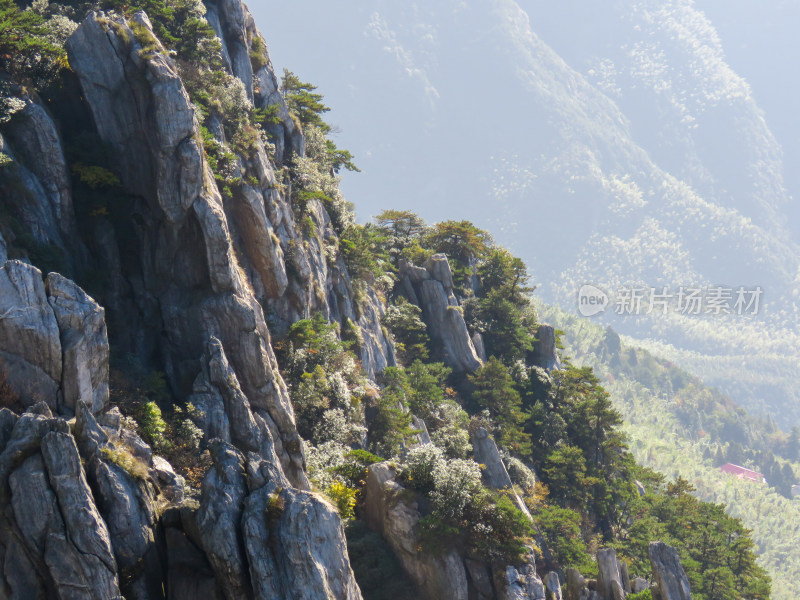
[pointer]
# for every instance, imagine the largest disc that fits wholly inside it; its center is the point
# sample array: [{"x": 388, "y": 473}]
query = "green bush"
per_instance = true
[
  {"x": 354, "y": 468},
  {"x": 404, "y": 321},
  {"x": 153, "y": 426},
  {"x": 561, "y": 528}
]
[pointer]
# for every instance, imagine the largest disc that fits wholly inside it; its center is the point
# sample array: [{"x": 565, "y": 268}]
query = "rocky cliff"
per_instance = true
[
  {"x": 88, "y": 510},
  {"x": 208, "y": 240}
]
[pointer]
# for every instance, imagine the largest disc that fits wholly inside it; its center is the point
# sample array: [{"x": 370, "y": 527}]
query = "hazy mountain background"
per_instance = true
[{"x": 632, "y": 142}]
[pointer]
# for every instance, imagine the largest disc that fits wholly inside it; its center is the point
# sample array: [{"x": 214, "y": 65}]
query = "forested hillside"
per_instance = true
[{"x": 681, "y": 428}]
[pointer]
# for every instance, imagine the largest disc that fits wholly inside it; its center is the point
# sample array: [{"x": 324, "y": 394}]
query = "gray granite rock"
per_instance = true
[{"x": 668, "y": 572}]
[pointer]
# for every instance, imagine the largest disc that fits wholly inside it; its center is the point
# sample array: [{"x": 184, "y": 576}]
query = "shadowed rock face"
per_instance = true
[
  {"x": 53, "y": 341},
  {"x": 78, "y": 502}
]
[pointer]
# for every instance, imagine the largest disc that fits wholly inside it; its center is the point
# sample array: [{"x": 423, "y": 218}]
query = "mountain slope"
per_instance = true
[{"x": 674, "y": 429}]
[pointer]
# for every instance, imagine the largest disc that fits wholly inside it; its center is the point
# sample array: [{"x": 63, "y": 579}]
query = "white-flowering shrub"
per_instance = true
[
  {"x": 455, "y": 484},
  {"x": 232, "y": 97},
  {"x": 422, "y": 465},
  {"x": 453, "y": 440},
  {"x": 449, "y": 429},
  {"x": 336, "y": 427},
  {"x": 320, "y": 460},
  {"x": 519, "y": 472},
  {"x": 339, "y": 390}
]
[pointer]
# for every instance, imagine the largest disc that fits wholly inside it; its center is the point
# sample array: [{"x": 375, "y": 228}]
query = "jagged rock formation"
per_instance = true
[
  {"x": 189, "y": 280},
  {"x": 609, "y": 580},
  {"x": 668, "y": 572},
  {"x": 552, "y": 586},
  {"x": 431, "y": 288},
  {"x": 495, "y": 474},
  {"x": 80, "y": 500}
]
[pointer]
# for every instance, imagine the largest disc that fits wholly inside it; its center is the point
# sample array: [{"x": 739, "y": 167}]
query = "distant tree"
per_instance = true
[
  {"x": 362, "y": 247},
  {"x": 499, "y": 269},
  {"x": 307, "y": 106},
  {"x": 427, "y": 387},
  {"x": 565, "y": 471},
  {"x": 389, "y": 426},
  {"x": 793, "y": 444},
  {"x": 507, "y": 326},
  {"x": 459, "y": 240}
]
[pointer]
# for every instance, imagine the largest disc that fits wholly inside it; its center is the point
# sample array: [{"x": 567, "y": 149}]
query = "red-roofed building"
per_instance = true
[{"x": 743, "y": 473}]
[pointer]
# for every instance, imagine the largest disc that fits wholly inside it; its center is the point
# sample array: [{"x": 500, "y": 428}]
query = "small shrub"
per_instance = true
[
  {"x": 152, "y": 426},
  {"x": 645, "y": 595},
  {"x": 94, "y": 176},
  {"x": 354, "y": 469},
  {"x": 499, "y": 530},
  {"x": 344, "y": 498},
  {"x": 275, "y": 504},
  {"x": 258, "y": 53},
  {"x": 520, "y": 474},
  {"x": 127, "y": 462}
]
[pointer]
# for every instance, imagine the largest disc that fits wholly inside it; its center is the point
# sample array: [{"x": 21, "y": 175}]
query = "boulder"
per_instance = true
[
  {"x": 446, "y": 324},
  {"x": 221, "y": 507},
  {"x": 552, "y": 586},
  {"x": 36, "y": 142},
  {"x": 608, "y": 573},
  {"x": 439, "y": 269},
  {"x": 431, "y": 288},
  {"x": 30, "y": 341},
  {"x": 486, "y": 453},
  {"x": 576, "y": 585},
  {"x": 519, "y": 583},
  {"x": 625, "y": 576},
  {"x": 53, "y": 342},
  {"x": 668, "y": 572}
]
